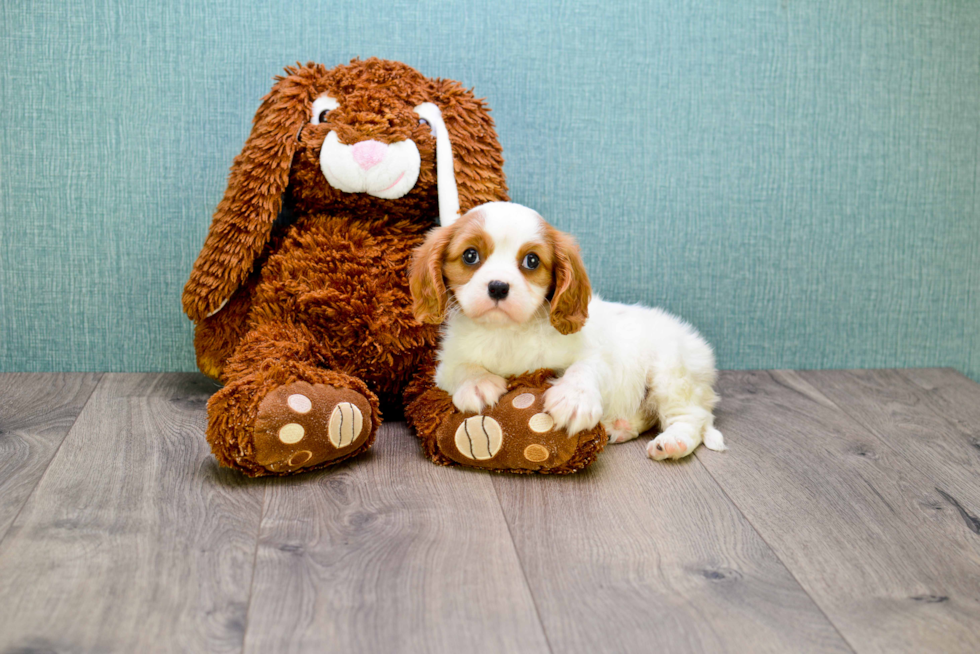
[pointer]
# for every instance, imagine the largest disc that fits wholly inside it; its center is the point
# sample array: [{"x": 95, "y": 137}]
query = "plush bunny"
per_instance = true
[{"x": 300, "y": 293}]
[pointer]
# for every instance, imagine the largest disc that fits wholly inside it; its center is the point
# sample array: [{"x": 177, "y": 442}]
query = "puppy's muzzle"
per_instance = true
[{"x": 498, "y": 290}]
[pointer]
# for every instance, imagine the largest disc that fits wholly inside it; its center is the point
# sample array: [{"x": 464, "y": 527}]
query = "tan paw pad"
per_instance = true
[
  {"x": 299, "y": 403},
  {"x": 291, "y": 433},
  {"x": 523, "y": 401},
  {"x": 479, "y": 437},
  {"x": 346, "y": 423},
  {"x": 541, "y": 422},
  {"x": 536, "y": 453}
]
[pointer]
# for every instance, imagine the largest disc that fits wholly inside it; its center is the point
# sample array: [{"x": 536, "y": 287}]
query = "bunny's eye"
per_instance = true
[
  {"x": 321, "y": 108},
  {"x": 423, "y": 121}
]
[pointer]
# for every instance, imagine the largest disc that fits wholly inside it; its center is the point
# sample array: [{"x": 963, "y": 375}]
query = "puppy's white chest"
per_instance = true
[{"x": 507, "y": 352}]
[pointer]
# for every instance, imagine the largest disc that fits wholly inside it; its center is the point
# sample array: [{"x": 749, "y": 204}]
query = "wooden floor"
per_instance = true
[{"x": 844, "y": 517}]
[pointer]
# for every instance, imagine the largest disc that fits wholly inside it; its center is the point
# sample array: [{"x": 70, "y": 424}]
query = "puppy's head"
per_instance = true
[{"x": 502, "y": 263}]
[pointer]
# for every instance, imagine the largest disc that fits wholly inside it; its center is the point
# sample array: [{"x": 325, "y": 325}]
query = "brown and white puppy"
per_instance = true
[{"x": 514, "y": 296}]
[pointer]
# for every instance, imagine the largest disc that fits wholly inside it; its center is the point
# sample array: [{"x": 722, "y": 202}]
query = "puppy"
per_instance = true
[{"x": 518, "y": 299}]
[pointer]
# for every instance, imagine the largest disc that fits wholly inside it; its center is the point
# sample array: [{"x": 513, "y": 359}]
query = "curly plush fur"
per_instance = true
[{"x": 322, "y": 297}]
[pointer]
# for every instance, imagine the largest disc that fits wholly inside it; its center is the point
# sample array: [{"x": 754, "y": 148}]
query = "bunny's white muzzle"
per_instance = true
[{"x": 384, "y": 171}]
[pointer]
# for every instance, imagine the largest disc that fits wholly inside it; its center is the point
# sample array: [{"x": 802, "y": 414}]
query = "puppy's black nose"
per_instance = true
[{"x": 498, "y": 290}]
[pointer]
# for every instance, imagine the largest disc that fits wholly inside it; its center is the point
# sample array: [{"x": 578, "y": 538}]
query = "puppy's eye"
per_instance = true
[
  {"x": 471, "y": 257},
  {"x": 531, "y": 261}
]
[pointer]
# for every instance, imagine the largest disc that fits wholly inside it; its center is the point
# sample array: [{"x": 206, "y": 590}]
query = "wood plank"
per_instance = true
[
  {"x": 925, "y": 432},
  {"x": 134, "y": 540},
  {"x": 636, "y": 555},
  {"x": 953, "y": 396},
  {"x": 863, "y": 531},
  {"x": 36, "y": 412},
  {"x": 389, "y": 553}
]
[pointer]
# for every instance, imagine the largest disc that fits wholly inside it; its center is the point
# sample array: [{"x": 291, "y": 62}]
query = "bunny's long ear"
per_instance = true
[
  {"x": 245, "y": 216},
  {"x": 476, "y": 154}
]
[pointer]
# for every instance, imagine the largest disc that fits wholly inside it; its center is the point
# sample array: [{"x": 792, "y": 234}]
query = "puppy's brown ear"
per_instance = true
[
  {"x": 245, "y": 216},
  {"x": 478, "y": 157},
  {"x": 570, "y": 301},
  {"x": 429, "y": 293}
]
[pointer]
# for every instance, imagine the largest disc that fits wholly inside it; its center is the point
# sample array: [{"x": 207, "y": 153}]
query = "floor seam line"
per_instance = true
[
  {"x": 776, "y": 554},
  {"x": 54, "y": 455},
  {"x": 772, "y": 549},
  {"x": 255, "y": 560},
  {"x": 520, "y": 564}
]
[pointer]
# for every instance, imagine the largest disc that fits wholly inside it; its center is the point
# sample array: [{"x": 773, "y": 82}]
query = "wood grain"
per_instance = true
[
  {"x": 36, "y": 412},
  {"x": 389, "y": 553},
  {"x": 938, "y": 439},
  {"x": 637, "y": 555},
  {"x": 953, "y": 396},
  {"x": 134, "y": 540},
  {"x": 844, "y": 516},
  {"x": 865, "y": 533}
]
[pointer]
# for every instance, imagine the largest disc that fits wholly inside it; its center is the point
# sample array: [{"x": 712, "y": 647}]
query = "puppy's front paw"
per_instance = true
[
  {"x": 574, "y": 407},
  {"x": 474, "y": 394}
]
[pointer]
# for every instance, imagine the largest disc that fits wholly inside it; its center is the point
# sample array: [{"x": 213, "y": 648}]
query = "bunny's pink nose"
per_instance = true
[{"x": 368, "y": 154}]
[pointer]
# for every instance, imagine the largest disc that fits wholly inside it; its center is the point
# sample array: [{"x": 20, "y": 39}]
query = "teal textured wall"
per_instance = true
[{"x": 798, "y": 179}]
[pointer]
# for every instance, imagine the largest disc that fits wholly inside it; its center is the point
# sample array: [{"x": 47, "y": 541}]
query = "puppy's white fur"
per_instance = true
[{"x": 631, "y": 367}]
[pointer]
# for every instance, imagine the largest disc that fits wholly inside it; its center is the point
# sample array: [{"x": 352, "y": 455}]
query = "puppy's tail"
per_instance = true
[{"x": 713, "y": 440}]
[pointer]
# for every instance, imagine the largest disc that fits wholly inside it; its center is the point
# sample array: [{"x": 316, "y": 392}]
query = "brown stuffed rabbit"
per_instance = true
[{"x": 300, "y": 294}]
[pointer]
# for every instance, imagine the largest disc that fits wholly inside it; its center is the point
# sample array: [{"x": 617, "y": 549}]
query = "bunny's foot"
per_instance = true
[
  {"x": 275, "y": 424},
  {"x": 301, "y": 425},
  {"x": 515, "y": 435}
]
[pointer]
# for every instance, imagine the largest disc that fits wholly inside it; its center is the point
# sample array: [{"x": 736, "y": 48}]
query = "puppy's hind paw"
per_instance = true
[
  {"x": 620, "y": 431},
  {"x": 676, "y": 442},
  {"x": 475, "y": 394}
]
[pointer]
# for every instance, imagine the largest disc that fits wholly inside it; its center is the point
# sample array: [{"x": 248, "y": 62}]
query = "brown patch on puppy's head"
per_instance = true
[
  {"x": 544, "y": 250},
  {"x": 468, "y": 234},
  {"x": 438, "y": 266}
]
